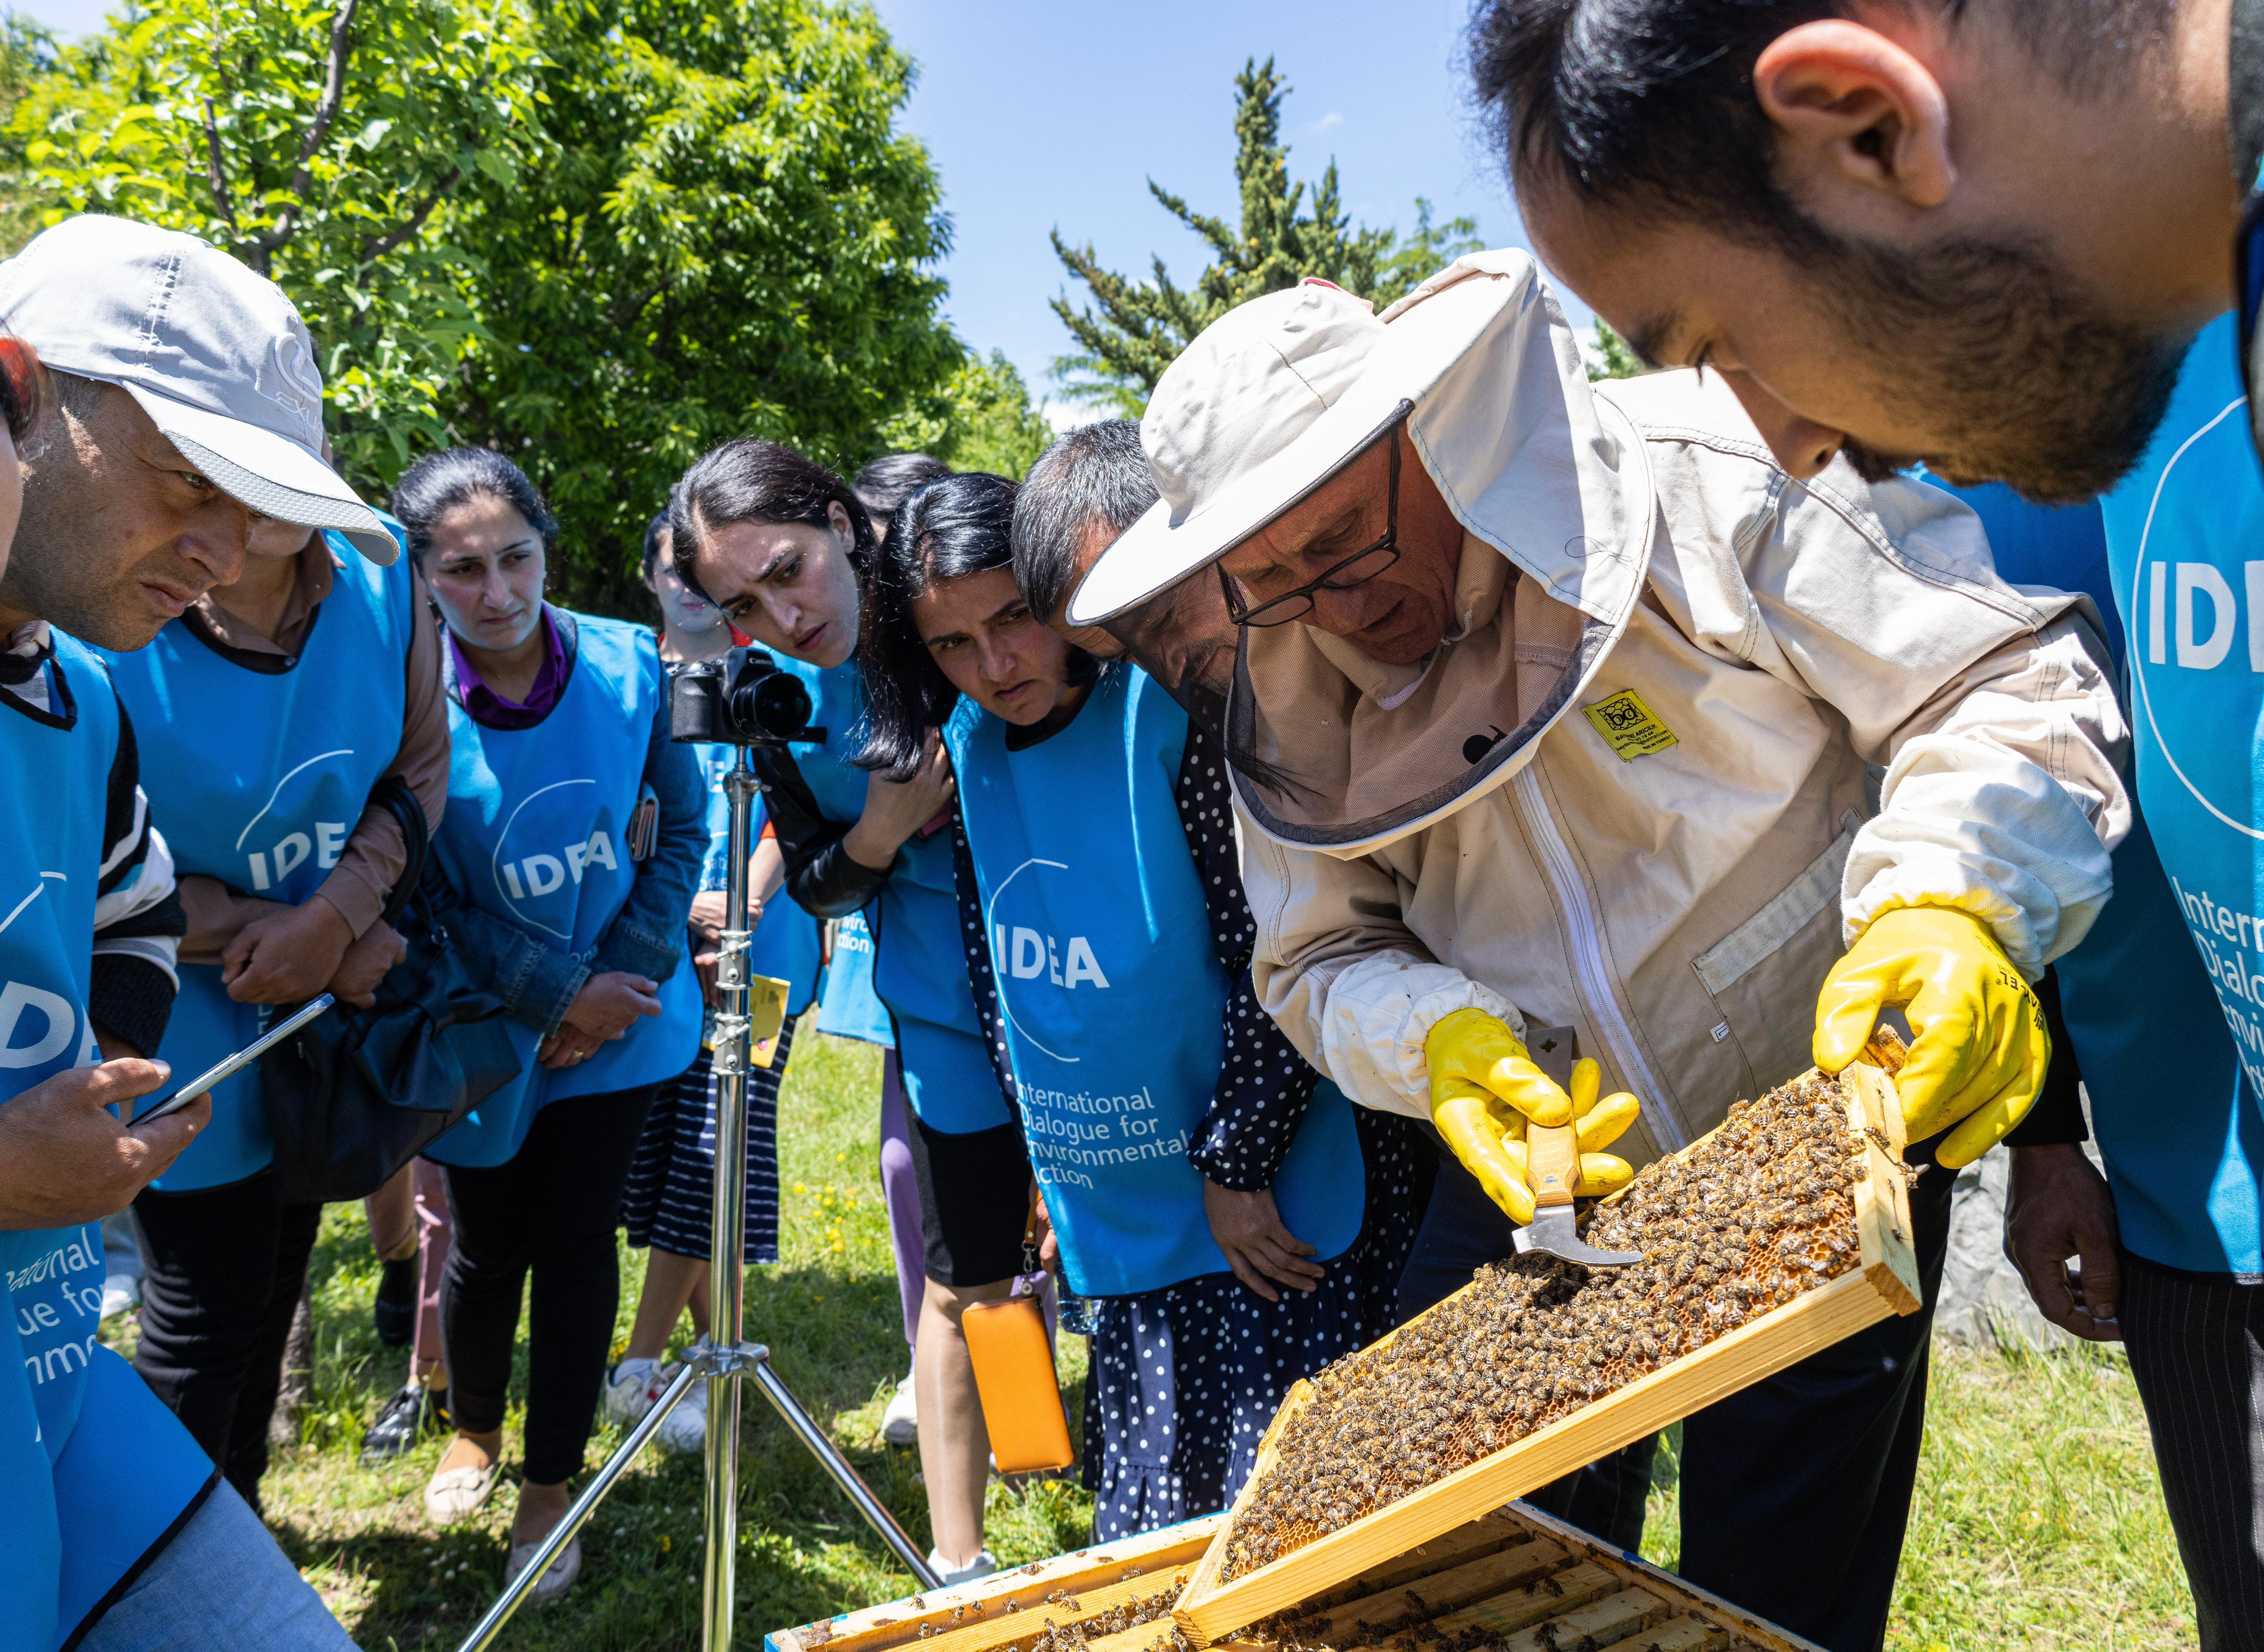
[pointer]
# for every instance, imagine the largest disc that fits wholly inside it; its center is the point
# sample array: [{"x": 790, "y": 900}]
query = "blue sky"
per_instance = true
[
  {"x": 1035, "y": 120},
  {"x": 1040, "y": 115}
]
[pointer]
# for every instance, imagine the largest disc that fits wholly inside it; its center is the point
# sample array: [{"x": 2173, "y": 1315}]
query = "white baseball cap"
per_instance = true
[{"x": 214, "y": 354}]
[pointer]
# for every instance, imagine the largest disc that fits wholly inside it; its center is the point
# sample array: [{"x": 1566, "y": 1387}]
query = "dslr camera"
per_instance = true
[{"x": 742, "y": 699}]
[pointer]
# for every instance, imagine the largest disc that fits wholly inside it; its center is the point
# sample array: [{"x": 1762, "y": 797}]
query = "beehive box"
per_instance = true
[
  {"x": 1513, "y": 1578},
  {"x": 1882, "y": 1281}
]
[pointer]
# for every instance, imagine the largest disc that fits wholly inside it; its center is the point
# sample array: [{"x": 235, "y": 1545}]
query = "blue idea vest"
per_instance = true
[
  {"x": 536, "y": 834},
  {"x": 2157, "y": 1063},
  {"x": 256, "y": 778},
  {"x": 847, "y": 1006},
  {"x": 919, "y": 970},
  {"x": 1113, "y": 994},
  {"x": 93, "y": 1468},
  {"x": 785, "y": 945},
  {"x": 2184, "y": 531}
]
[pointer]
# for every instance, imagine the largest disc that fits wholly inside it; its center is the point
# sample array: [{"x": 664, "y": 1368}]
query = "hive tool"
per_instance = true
[{"x": 1554, "y": 1165}]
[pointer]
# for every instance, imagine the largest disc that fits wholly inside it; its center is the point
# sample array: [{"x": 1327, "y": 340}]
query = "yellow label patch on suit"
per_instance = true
[{"x": 1630, "y": 727}]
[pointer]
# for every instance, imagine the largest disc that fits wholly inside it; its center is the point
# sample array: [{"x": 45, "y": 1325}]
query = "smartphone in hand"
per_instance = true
[{"x": 238, "y": 1061}]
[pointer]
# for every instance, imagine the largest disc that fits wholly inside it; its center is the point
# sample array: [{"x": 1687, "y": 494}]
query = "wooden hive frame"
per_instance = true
[
  {"x": 1537, "y": 1581},
  {"x": 1885, "y": 1282},
  {"x": 1544, "y": 1584},
  {"x": 1005, "y": 1611}
]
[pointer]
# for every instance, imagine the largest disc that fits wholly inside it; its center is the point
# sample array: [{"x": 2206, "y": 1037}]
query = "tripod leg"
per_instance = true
[
  {"x": 718, "y": 1599},
  {"x": 488, "y": 1628},
  {"x": 829, "y": 1456}
]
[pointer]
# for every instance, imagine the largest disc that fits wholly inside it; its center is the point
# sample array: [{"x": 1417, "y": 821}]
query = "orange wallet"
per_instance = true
[{"x": 1013, "y": 1361}]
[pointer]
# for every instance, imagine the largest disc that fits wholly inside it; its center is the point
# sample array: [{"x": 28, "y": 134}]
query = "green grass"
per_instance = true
[{"x": 2038, "y": 1521}]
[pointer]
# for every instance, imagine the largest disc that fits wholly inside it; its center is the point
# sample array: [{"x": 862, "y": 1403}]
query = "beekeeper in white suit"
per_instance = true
[{"x": 1569, "y": 706}]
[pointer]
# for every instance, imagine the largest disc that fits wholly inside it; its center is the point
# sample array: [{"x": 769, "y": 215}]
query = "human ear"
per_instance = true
[{"x": 1851, "y": 106}]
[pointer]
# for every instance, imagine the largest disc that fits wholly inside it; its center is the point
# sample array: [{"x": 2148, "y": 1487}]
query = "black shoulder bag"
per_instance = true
[{"x": 358, "y": 1093}]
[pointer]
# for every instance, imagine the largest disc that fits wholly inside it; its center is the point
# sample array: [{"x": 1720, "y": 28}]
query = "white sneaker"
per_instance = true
[
  {"x": 684, "y": 1431},
  {"x": 121, "y": 1293},
  {"x": 900, "y": 1423},
  {"x": 631, "y": 1387},
  {"x": 982, "y": 1566}
]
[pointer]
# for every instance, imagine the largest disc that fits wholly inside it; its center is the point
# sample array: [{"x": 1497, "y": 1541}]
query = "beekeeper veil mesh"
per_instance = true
[{"x": 1334, "y": 750}]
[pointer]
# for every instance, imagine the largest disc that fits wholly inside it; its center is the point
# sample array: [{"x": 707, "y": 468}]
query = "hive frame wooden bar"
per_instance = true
[
  {"x": 1096, "y": 1574},
  {"x": 1641, "y": 1572},
  {"x": 1885, "y": 1284}
]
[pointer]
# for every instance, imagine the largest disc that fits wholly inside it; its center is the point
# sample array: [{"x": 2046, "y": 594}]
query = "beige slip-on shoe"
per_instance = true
[
  {"x": 554, "y": 1581},
  {"x": 452, "y": 1494}
]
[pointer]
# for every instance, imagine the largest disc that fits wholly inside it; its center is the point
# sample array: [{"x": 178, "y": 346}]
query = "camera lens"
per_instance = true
[{"x": 782, "y": 706}]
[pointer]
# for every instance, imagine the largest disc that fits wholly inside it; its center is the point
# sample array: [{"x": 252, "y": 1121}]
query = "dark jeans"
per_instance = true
[
  {"x": 2196, "y": 1346},
  {"x": 1795, "y": 1491},
  {"x": 549, "y": 1210},
  {"x": 222, "y": 1270}
]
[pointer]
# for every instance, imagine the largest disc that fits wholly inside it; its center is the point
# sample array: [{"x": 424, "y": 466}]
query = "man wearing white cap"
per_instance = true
[
  {"x": 1571, "y": 708},
  {"x": 190, "y": 414}
]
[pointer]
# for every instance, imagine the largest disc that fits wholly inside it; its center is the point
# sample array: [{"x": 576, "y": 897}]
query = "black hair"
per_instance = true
[
  {"x": 750, "y": 480},
  {"x": 1649, "y": 105},
  {"x": 950, "y": 528},
  {"x": 653, "y": 530},
  {"x": 893, "y": 478},
  {"x": 438, "y": 483},
  {"x": 1096, "y": 475}
]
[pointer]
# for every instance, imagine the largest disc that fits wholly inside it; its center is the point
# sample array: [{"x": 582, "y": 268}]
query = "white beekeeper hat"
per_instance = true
[
  {"x": 215, "y": 355},
  {"x": 1267, "y": 403},
  {"x": 1480, "y": 369},
  {"x": 1276, "y": 396}
]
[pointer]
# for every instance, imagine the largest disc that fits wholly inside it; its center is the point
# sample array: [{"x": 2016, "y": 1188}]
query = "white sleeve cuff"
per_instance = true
[{"x": 1379, "y": 1012}]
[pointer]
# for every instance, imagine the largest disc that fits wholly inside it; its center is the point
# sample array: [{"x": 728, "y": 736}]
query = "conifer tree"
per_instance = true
[{"x": 1133, "y": 329}]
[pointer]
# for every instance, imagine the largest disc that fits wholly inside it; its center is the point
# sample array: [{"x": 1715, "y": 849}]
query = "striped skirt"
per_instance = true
[{"x": 671, "y": 1199}]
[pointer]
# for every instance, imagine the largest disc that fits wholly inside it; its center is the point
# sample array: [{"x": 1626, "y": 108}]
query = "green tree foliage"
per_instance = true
[
  {"x": 1608, "y": 356},
  {"x": 27, "y": 54},
  {"x": 1133, "y": 330},
  {"x": 319, "y": 141},
  {"x": 980, "y": 419},
  {"x": 599, "y": 235},
  {"x": 728, "y": 237}
]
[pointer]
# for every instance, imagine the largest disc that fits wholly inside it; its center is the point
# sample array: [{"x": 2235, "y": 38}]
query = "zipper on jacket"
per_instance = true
[{"x": 1595, "y": 980}]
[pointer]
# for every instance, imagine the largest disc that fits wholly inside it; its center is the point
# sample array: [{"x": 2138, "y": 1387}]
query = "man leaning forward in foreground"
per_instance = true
[
  {"x": 1564, "y": 707},
  {"x": 189, "y": 409}
]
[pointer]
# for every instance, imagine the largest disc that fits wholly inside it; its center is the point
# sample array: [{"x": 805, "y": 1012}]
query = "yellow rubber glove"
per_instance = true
[
  {"x": 1981, "y": 1049},
  {"x": 1483, "y": 1088}
]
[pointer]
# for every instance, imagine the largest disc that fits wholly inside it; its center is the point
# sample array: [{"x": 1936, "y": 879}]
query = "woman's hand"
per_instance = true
[
  {"x": 895, "y": 810},
  {"x": 364, "y": 964},
  {"x": 1259, "y": 1248},
  {"x": 288, "y": 955},
  {"x": 1049, "y": 1242},
  {"x": 706, "y": 926},
  {"x": 606, "y": 1008}
]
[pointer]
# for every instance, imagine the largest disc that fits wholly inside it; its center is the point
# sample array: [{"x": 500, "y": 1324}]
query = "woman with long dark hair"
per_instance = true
[
  {"x": 565, "y": 868},
  {"x": 781, "y": 544},
  {"x": 669, "y": 1205},
  {"x": 1235, "y": 1224}
]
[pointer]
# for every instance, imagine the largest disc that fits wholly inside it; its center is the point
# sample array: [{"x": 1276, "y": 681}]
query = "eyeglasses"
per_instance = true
[
  {"x": 26, "y": 393},
  {"x": 1356, "y": 570}
]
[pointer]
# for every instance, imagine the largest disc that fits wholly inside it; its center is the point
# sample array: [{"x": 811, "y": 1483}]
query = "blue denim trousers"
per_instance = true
[{"x": 221, "y": 1585}]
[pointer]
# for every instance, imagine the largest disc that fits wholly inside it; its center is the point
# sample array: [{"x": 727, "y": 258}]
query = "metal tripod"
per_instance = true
[{"x": 725, "y": 1359}]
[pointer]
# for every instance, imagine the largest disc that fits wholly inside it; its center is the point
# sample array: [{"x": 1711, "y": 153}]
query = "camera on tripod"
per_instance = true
[{"x": 742, "y": 699}]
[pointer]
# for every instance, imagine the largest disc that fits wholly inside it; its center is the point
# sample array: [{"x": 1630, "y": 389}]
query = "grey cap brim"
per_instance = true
[{"x": 268, "y": 473}]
